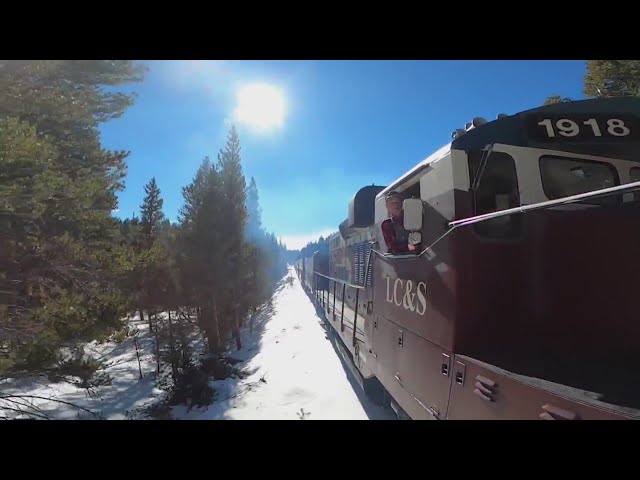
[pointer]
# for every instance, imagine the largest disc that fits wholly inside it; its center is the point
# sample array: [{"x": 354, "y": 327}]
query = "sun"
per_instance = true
[{"x": 260, "y": 106}]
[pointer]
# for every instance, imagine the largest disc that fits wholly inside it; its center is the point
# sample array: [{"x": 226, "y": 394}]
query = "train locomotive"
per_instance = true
[{"x": 520, "y": 300}]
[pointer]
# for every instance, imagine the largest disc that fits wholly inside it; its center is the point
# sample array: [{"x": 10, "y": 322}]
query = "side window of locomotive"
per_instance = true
[
  {"x": 563, "y": 177},
  {"x": 497, "y": 190},
  {"x": 634, "y": 174},
  {"x": 412, "y": 192}
]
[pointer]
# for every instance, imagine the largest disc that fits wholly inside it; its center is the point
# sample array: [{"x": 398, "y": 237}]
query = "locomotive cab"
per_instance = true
[
  {"x": 549, "y": 293},
  {"x": 547, "y": 289}
]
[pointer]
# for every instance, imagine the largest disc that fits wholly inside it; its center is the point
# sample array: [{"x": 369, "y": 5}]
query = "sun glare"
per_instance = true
[{"x": 260, "y": 106}]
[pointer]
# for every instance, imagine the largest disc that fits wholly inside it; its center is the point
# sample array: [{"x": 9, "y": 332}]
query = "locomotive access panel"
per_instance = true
[
  {"x": 484, "y": 392},
  {"x": 415, "y": 295},
  {"x": 412, "y": 331}
]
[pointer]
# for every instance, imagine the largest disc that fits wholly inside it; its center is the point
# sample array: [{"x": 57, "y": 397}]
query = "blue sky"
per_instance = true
[{"x": 346, "y": 124}]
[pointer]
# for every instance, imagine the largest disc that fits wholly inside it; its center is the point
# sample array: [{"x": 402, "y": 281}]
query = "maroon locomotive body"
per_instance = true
[{"x": 520, "y": 302}]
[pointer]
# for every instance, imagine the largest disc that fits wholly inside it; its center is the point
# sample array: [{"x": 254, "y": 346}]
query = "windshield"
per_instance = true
[{"x": 563, "y": 177}]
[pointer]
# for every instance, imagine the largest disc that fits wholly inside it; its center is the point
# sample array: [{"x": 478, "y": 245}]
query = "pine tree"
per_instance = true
[
  {"x": 234, "y": 195},
  {"x": 194, "y": 192},
  {"x": 202, "y": 236},
  {"x": 65, "y": 101},
  {"x": 553, "y": 99},
  {"x": 24, "y": 168},
  {"x": 259, "y": 264},
  {"x": 612, "y": 78},
  {"x": 150, "y": 256},
  {"x": 151, "y": 215},
  {"x": 233, "y": 186},
  {"x": 253, "y": 231},
  {"x": 63, "y": 276}
]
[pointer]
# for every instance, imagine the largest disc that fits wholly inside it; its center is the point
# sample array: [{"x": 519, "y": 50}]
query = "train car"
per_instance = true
[
  {"x": 299, "y": 267},
  {"x": 309, "y": 267},
  {"x": 519, "y": 301}
]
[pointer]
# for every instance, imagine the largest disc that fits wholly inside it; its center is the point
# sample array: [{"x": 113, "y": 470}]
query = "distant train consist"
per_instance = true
[{"x": 519, "y": 299}]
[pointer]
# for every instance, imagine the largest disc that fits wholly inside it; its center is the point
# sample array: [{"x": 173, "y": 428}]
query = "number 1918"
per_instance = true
[{"x": 569, "y": 128}]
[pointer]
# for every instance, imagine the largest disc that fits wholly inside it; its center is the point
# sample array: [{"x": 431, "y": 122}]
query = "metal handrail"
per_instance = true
[
  {"x": 359, "y": 287},
  {"x": 344, "y": 284}
]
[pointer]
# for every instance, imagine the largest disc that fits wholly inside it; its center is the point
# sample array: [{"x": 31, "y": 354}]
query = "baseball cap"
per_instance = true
[{"x": 390, "y": 194}]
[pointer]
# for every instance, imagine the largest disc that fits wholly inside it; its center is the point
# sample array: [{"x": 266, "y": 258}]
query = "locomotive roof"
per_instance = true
[
  {"x": 434, "y": 157},
  {"x": 516, "y": 130}
]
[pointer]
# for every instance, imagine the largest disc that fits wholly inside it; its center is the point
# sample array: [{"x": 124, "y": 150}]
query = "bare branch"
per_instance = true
[
  {"x": 18, "y": 410},
  {"x": 4, "y": 397},
  {"x": 29, "y": 405}
]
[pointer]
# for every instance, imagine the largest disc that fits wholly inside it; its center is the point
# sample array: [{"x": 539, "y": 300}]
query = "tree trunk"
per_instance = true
[
  {"x": 201, "y": 317},
  {"x": 172, "y": 349},
  {"x": 210, "y": 326},
  {"x": 183, "y": 340},
  {"x": 216, "y": 327},
  {"x": 135, "y": 342},
  {"x": 157, "y": 344},
  {"x": 212, "y": 341},
  {"x": 236, "y": 328},
  {"x": 142, "y": 318},
  {"x": 252, "y": 318}
]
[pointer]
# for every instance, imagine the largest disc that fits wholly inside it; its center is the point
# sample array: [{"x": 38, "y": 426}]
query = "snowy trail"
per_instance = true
[{"x": 294, "y": 370}]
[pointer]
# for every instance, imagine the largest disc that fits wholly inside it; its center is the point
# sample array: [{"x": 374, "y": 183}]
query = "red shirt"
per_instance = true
[{"x": 389, "y": 233}]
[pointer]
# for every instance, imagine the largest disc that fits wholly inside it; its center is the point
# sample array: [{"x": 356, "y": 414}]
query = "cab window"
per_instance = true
[
  {"x": 497, "y": 190},
  {"x": 563, "y": 177}
]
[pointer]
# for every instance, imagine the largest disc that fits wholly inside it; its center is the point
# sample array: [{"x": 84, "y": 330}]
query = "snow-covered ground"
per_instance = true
[
  {"x": 126, "y": 395},
  {"x": 293, "y": 372}
]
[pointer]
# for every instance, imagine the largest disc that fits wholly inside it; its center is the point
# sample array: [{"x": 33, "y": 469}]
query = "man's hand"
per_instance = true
[{"x": 412, "y": 247}]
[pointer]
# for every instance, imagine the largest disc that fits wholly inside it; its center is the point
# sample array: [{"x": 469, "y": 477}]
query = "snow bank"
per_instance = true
[{"x": 122, "y": 399}]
